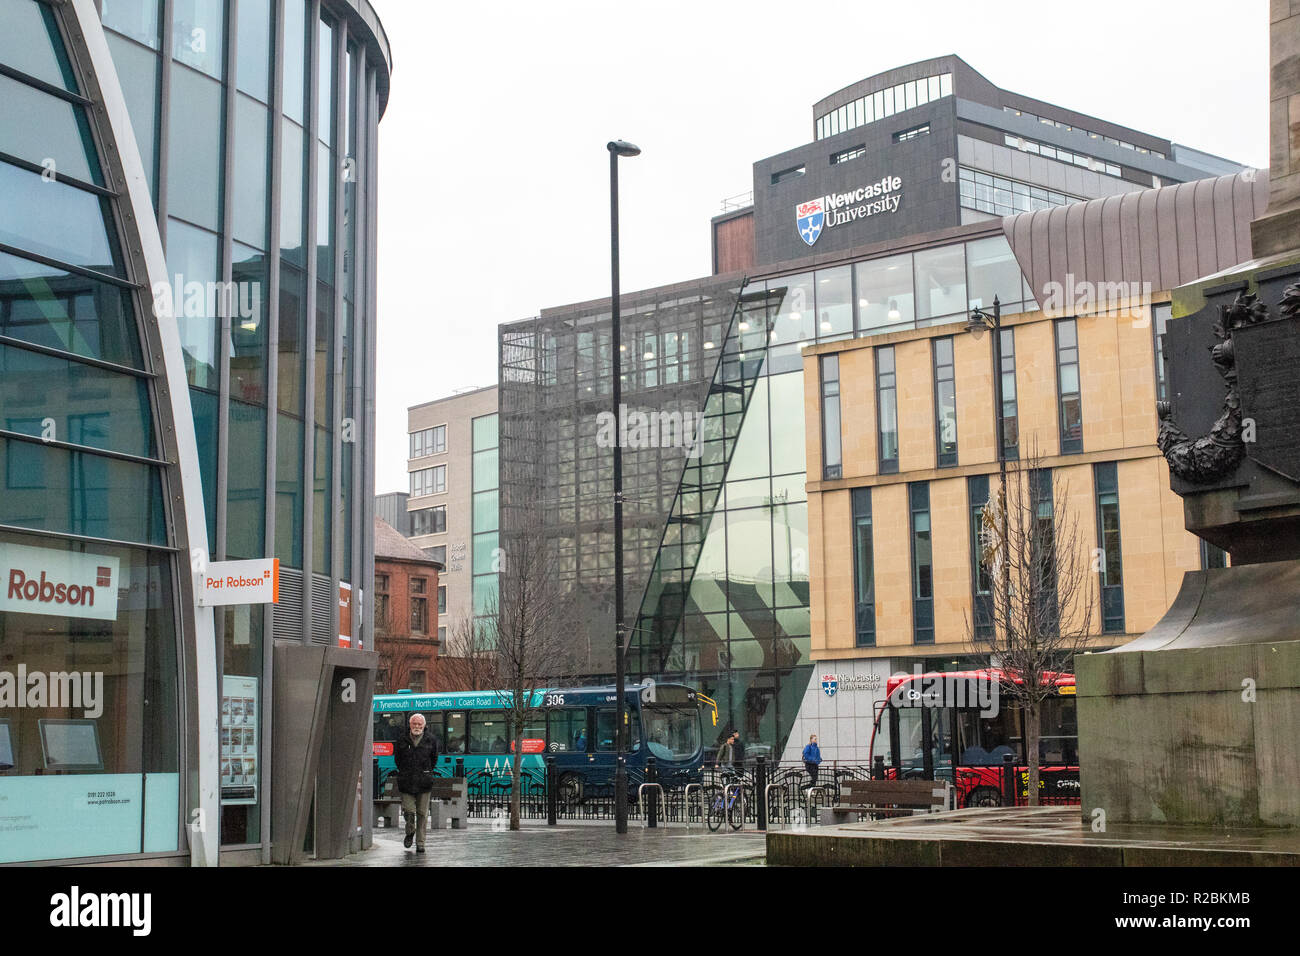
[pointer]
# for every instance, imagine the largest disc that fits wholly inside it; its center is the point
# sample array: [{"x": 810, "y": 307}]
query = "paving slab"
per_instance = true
[
  {"x": 1027, "y": 836},
  {"x": 570, "y": 843}
]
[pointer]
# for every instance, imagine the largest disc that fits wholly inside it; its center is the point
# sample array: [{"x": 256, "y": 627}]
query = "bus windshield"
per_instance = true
[{"x": 672, "y": 732}]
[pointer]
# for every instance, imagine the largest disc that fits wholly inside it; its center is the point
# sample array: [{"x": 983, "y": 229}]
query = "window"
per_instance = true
[
  {"x": 438, "y": 554},
  {"x": 1160, "y": 315},
  {"x": 416, "y": 683},
  {"x": 977, "y": 494},
  {"x": 1060, "y": 154},
  {"x": 429, "y": 481},
  {"x": 1010, "y": 419},
  {"x": 884, "y": 292},
  {"x": 884, "y": 103},
  {"x": 488, "y": 733},
  {"x": 1067, "y": 383},
  {"x": 430, "y": 521},
  {"x": 831, "y": 450},
  {"x": 1042, "y": 548},
  {"x": 794, "y": 172},
  {"x": 442, "y": 599},
  {"x": 887, "y": 409},
  {"x": 1106, "y": 484},
  {"x": 605, "y": 724},
  {"x": 419, "y": 606},
  {"x": 381, "y": 602},
  {"x": 844, "y": 155},
  {"x": 429, "y": 441},
  {"x": 864, "y": 574},
  {"x": 567, "y": 730},
  {"x": 945, "y": 403},
  {"x": 902, "y": 136},
  {"x": 1212, "y": 556},
  {"x": 940, "y": 283},
  {"x": 1005, "y": 197},
  {"x": 918, "y": 493}
]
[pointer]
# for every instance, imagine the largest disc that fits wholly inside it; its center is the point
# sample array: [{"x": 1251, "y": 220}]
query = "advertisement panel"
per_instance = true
[{"x": 59, "y": 583}]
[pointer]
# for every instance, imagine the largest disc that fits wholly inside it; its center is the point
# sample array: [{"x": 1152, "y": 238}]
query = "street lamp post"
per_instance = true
[
  {"x": 616, "y": 149},
  {"x": 976, "y": 323}
]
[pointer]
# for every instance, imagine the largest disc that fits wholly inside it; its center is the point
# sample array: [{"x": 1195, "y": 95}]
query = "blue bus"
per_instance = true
[{"x": 575, "y": 725}]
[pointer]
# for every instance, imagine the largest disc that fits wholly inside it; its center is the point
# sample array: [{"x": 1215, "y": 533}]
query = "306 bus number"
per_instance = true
[{"x": 553, "y": 700}]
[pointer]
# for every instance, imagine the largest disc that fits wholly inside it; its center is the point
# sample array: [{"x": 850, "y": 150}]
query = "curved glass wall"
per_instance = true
[{"x": 89, "y": 616}]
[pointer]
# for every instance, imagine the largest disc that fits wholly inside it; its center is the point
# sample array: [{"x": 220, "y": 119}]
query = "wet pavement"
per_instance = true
[{"x": 569, "y": 843}]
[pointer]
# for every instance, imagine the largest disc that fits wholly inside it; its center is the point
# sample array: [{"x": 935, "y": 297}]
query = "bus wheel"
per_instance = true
[
  {"x": 984, "y": 797},
  {"x": 570, "y": 788}
]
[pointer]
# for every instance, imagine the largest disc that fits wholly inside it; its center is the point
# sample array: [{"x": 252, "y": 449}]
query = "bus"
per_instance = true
[
  {"x": 927, "y": 718},
  {"x": 575, "y": 725}
]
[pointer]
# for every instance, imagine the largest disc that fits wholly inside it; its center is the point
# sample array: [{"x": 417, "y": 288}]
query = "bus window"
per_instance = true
[
  {"x": 910, "y": 738},
  {"x": 487, "y": 732},
  {"x": 568, "y": 730},
  {"x": 986, "y": 740},
  {"x": 672, "y": 732},
  {"x": 388, "y": 727},
  {"x": 1058, "y": 727},
  {"x": 455, "y": 733},
  {"x": 605, "y": 723}
]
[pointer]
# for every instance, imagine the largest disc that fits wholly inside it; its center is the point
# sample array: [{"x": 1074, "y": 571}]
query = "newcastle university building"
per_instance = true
[
  {"x": 187, "y": 361},
  {"x": 826, "y": 363}
]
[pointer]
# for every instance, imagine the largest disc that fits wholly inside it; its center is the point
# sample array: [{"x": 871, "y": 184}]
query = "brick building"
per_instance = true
[{"x": 408, "y": 598}]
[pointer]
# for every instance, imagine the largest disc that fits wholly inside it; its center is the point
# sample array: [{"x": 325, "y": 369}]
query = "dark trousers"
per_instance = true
[{"x": 812, "y": 771}]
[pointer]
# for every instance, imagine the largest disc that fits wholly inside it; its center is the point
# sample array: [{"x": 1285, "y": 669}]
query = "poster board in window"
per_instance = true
[
  {"x": 70, "y": 744},
  {"x": 6, "y": 745}
]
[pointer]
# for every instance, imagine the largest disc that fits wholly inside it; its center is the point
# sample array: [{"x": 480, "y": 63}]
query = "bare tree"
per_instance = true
[
  {"x": 1041, "y": 591},
  {"x": 468, "y": 662},
  {"x": 530, "y": 628}
]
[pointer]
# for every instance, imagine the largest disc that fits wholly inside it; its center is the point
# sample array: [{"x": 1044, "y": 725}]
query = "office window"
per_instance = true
[
  {"x": 1067, "y": 382},
  {"x": 887, "y": 409},
  {"x": 438, "y": 554},
  {"x": 864, "y": 573},
  {"x": 1042, "y": 547},
  {"x": 430, "y": 521},
  {"x": 844, "y": 155},
  {"x": 793, "y": 172},
  {"x": 419, "y": 606},
  {"x": 429, "y": 441},
  {"x": 1106, "y": 485},
  {"x": 381, "y": 603},
  {"x": 831, "y": 451},
  {"x": 918, "y": 493},
  {"x": 442, "y": 636},
  {"x": 429, "y": 481},
  {"x": 1010, "y": 417},
  {"x": 442, "y": 599},
  {"x": 1160, "y": 315},
  {"x": 977, "y": 493},
  {"x": 940, "y": 276},
  {"x": 902, "y": 136},
  {"x": 945, "y": 403}
]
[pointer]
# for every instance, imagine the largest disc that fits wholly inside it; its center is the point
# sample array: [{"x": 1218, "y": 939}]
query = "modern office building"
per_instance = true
[
  {"x": 392, "y": 508},
  {"x": 452, "y": 507},
  {"x": 724, "y": 577},
  {"x": 187, "y": 356}
]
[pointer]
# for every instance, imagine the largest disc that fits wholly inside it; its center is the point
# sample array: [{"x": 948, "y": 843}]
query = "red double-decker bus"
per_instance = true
[{"x": 960, "y": 726}]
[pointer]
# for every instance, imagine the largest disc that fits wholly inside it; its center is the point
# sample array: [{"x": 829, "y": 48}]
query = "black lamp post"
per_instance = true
[
  {"x": 616, "y": 149},
  {"x": 976, "y": 323}
]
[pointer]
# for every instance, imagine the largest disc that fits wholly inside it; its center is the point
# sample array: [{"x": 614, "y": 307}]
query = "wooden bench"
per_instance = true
[
  {"x": 448, "y": 800},
  {"x": 887, "y": 798}
]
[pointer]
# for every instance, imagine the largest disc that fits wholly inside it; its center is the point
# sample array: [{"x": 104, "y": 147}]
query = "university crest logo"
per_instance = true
[
  {"x": 830, "y": 684},
  {"x": 809, "y": 217}
]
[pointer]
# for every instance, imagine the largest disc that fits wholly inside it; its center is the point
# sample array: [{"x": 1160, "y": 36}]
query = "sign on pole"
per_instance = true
[{"x": 240, "y": 582}]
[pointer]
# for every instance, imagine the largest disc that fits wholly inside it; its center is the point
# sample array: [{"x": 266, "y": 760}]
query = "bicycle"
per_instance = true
[{"x": 728, "y": 803}]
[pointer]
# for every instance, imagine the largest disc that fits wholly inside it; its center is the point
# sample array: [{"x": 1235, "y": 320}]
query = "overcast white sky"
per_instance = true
[{"x": 493, "y": 174}]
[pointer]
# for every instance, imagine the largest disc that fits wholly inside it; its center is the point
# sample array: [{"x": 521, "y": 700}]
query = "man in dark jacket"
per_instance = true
[{"x": 416, "y": 755}]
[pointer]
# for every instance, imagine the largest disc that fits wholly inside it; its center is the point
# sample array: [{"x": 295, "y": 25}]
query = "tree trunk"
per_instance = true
[
  {"x": 515, "y": 777},
  {"x": 1033, "y": 712}
]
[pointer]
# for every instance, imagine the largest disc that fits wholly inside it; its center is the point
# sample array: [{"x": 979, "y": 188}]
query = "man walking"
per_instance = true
[
  {"x": 416, "y": 754},
  {"x": 812, "y": 758},
  {"x": 725, "y": 752}
]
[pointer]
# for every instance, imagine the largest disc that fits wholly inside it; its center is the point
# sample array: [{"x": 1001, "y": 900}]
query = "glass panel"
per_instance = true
[
  {"x": 940, "y": 282},
  {"x": 30, "y": 41},
  {"x": 293, "y": 329},
  {"x": 47, "y": 131},
  {"x": 921, "y": 556},
  {"x": 137, "y": 19},
  {"x": 253, "y": 49},
  {"x": 288, "y": 490},
  {"x": 198, "y": 34},
  {"x": 251, "y": 172},
  {"x": 485, "y": 469},
  {"x": 787, "y": 431},
  {"x": 137, "y": 70},
  {"x": 486, "y": 511},
  {"x": 485, "y": 546},
  {"x": 47, "y": 306},
  {"x": 194, "y": 149},
  {"x": 485, "y": 432},
  {"x": 295, "y": 59},
  {"x": 246, "y": 484},
  {"x": 203, "y": 409},
  {"x": 487, "y": 732},
  {"x": 248, "y": 329},
  {"x": 53, "y": 489},
  {"x": 795, "y": 320},
  {"x": 325, "y": 85},
  {"x": 323, "y": 403},
  {"x": 993, "y": 271},
  {"x": 834, "y": 301},
  {"x": 322, "y": 554},
  {"x": 884, "y": 292},
  {"x": 192, "y": 264},
  {"x": 324, "y": 215},
  {"x": 54, "y": 219},
  {"x": 292, "y": 177},
  {"x": 63, "y": 400}
]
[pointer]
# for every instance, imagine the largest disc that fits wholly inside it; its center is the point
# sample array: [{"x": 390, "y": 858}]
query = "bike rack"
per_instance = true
[
  {"x": 640, "y": 801},
  {"x": 767, "y": 800},
  {"x": 686, "y": 794},
  {"x": 740, "y": 795},
  {"x": 807, "y": 801}
]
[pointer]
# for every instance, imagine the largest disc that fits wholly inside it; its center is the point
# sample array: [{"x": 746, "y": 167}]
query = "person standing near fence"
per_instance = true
[
  {"x": 725, "y": 751},
  {"x": 416, "y": 754},
  {"x": 812, "y": 758}
]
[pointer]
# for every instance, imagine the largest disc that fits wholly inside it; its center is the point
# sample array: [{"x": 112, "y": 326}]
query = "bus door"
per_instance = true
[{"x": 922, "y": 744}]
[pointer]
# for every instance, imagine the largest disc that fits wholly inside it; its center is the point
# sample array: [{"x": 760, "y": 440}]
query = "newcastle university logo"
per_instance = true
[
  {"x": 829, "y": 683},
  {"x": 809, "y": 217}
]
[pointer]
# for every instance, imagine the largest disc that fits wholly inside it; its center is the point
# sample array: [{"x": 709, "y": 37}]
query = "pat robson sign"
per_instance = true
[
  {"x": 58, "y": 583},
  {"x": 838, "y": 209}
]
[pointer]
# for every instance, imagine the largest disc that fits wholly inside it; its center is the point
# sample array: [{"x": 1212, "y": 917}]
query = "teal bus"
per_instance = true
[{"x": 575, "y": 725}]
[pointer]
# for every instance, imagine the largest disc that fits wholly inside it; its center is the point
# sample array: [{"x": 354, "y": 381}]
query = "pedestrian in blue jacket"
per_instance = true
[{"x": 812, "y": 758}]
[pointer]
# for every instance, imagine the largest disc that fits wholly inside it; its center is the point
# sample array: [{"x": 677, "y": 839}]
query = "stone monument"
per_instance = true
[{"x": 1198, "y": 720}]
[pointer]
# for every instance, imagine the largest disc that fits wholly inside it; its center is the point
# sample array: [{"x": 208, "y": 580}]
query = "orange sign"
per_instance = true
[
  {"x": 345, "y": 614},
  {"x": 532, "y": 745}
]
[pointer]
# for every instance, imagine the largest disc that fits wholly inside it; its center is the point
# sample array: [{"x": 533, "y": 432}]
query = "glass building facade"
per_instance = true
[{"x": 255, "y": 123}]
